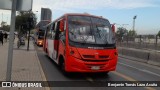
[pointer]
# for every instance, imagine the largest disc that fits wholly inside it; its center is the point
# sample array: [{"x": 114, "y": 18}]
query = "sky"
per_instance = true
[{"x": 120, "y": 12}]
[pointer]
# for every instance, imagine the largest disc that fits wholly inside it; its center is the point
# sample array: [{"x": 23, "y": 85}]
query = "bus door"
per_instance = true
[
  {"x": 49, "y": 41},
  {"x": 56, "y": 40}
]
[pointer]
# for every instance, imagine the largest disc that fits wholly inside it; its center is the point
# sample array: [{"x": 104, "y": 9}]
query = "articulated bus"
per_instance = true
[
  {"x": 39, "y": 32},
  {"x": 81, "y": 43}
]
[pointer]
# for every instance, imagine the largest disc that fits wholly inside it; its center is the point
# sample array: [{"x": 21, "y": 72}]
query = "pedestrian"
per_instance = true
[
  {"x": 1, "y": 37},
  {"x": 5, "y": 36}
]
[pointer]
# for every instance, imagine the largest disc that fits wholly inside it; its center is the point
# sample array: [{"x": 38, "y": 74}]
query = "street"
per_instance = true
[{"x": 127, "y": 70}]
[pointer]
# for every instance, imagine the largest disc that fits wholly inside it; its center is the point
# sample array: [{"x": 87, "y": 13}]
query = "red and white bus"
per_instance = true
[{"x": 81, "y": 43}]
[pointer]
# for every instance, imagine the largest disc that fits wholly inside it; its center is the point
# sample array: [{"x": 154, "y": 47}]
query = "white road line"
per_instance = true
[{"x": 143, "y": 70}]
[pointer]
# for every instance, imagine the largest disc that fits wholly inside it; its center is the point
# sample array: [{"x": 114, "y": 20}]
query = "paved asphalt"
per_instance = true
[{"x": 127, "y": 70}]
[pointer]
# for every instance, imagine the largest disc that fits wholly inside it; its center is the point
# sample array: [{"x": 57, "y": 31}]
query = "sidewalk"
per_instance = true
[{"x": 25, "y": 66}]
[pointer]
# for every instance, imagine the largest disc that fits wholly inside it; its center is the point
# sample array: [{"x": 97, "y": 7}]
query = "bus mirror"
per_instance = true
[
  {"x": 113, "y": 27},
  {"x": 61, "y": 26}
]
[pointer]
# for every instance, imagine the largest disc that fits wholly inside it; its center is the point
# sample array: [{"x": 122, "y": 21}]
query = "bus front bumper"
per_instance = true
[{"x": 77, "y": 65}]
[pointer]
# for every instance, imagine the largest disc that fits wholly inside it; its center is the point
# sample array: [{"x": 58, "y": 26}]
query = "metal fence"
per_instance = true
[{"x": 140, "y": 42}]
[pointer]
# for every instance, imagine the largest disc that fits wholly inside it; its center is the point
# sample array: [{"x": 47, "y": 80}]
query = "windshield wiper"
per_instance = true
[{"x": 98, "y": 31}]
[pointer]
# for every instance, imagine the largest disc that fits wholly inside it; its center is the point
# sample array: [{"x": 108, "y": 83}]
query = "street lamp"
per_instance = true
[{"x": 134, "y": 22}]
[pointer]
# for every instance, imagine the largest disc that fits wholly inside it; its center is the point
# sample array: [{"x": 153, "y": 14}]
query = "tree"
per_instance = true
[
  {"x": 24, "y": 22},
  {"x": 3, "y": 23},
  {"x": 121, "y": 32},
  {"x": 6, "y": 28},
  {"x": 158, "y": 34},
  {"x": 132, "y": 33}
]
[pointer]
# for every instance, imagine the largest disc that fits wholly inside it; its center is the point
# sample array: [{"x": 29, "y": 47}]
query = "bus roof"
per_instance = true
[
  {"x": 76, "y": 14},
  {"x": 82, "y": 14}
]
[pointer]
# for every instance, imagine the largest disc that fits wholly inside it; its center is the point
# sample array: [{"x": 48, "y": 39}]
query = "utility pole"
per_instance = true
[
  {"x": 29, "y": 26},
  {"x": 134, "y": 22},
  {"x": 11, "y": 41}
]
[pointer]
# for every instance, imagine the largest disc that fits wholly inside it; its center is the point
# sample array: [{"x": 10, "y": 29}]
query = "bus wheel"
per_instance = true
[{"x": 62, "y": 66}]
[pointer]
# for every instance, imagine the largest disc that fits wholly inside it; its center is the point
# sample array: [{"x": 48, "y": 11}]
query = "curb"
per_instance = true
[{"x": 41, "y": 71}]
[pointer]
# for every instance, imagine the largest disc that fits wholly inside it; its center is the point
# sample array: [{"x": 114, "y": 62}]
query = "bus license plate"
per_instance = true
[{"x": 95, "y": 67}]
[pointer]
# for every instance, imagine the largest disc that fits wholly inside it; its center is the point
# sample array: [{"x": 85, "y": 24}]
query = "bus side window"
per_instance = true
[
  {"x": 63, "y": 34},
  {"x": 49, "y": 32},
  {"x": 53, "y": 31},
  {"x": 57, "y": 30}
]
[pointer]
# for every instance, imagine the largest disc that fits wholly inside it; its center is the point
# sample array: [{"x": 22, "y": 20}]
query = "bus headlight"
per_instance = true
[{"x": 74, "y": 53}]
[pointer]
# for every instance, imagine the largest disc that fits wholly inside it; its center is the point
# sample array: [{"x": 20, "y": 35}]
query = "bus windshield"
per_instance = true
[{"x": 92, "y": 30}]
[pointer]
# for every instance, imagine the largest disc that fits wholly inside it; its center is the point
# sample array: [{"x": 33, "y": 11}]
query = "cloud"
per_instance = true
[{"x": 71, "y": 5}]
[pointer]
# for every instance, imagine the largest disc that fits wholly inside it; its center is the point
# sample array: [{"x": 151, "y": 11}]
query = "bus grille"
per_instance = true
[
  {"x": 88, "y": 56},
  {"x": 96, "y": 60},
  {"x": 106, "y": 57},
  {"x": 103, "y": 57}
]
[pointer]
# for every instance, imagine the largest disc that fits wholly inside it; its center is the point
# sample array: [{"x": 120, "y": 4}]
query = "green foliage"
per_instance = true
[
  {"x": 121, "y": 32},
  {"x": 132, "y": 33},
  {"x": 3, "y": 23},
  {"x": 6, "y": 28},
  {"x": 23, "y": 19}
]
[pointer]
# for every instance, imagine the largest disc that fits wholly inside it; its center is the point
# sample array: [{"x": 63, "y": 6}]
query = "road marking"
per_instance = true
[
  {"x": 131, "y": 79},
  {"x": 124, "y": 76},
  {"x": 143, "y": 70}
]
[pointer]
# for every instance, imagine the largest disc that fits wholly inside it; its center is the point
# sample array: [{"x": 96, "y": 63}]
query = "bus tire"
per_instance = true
[{"x": 62, "y": 66}]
